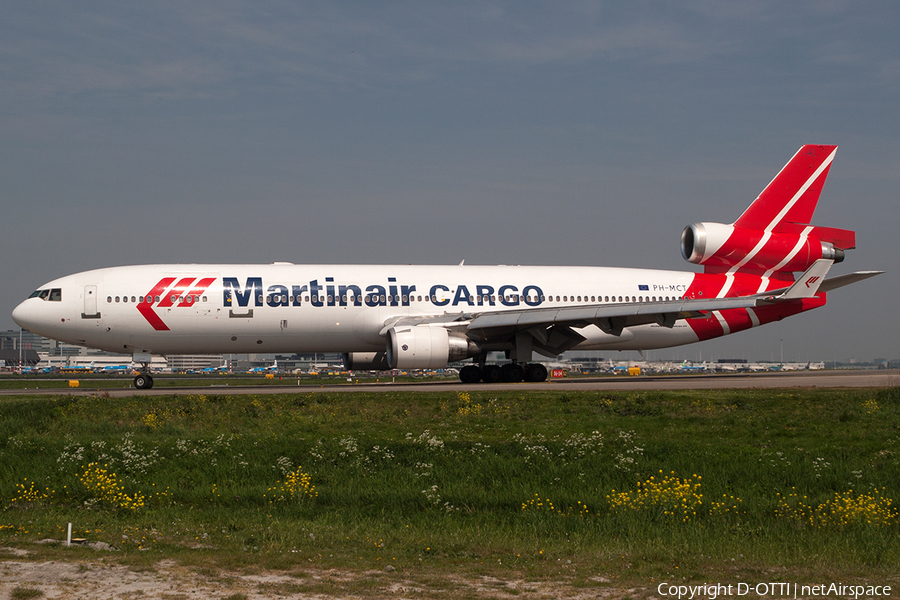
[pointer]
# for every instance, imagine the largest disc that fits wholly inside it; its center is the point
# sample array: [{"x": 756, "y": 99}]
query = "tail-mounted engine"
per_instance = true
[
  {"x": 424, "y": 347},
  {"x": 790, "y": 247}
]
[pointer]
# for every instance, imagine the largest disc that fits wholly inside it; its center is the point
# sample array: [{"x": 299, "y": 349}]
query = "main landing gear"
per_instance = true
[
  {"x": 508, "y": 373},
  {"x": 143, "y": 381}
]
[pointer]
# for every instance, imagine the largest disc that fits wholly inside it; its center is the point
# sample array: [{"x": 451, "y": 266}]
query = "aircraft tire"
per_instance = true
[
  {"x": 470, "y": 374},
  {"x": 492, "y": 374},
  {"x": 535, "y": 372},
  {"x": 513, "y": 373},
  {"x": 143, "y": 382}
]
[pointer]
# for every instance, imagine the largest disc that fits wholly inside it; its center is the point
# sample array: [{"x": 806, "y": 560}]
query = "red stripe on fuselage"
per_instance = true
[
  {"x": 738, "y": 319},
  {"x": 176, "y": 291},
  {"x": 197, "y": 291}
]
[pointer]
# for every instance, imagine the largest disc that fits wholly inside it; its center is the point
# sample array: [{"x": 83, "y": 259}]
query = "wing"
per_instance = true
[{"x": 553, "y": 329}]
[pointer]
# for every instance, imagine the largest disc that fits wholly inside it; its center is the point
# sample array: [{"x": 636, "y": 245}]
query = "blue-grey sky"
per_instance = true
[{"x": 585, "y": 133}]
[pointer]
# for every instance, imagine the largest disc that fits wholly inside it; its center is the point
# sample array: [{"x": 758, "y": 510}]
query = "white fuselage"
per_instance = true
[{"x": 281, "y": 307}]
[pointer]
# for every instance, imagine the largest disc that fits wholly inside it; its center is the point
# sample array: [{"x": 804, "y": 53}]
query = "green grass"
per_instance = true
[{"x": 438, "y": 480}]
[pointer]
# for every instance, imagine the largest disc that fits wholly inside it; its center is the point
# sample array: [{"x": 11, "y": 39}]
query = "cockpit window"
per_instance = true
[{"x": 54, "y": 295}]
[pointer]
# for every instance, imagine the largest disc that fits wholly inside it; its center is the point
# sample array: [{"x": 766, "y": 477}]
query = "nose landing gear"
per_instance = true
[{"x": 143, "y": 380}]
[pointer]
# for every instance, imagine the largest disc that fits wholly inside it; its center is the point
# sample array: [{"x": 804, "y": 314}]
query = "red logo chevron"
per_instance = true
[
  {"x": 169, "y": 296},
  {"x": 146, "y": 307}
]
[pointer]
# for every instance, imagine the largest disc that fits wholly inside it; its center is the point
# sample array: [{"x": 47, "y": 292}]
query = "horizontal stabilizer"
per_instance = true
[{"x": 834, "y": 283}]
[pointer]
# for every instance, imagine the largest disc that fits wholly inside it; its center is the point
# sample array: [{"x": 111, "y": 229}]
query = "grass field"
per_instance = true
[{"x": 630, "y": 486}]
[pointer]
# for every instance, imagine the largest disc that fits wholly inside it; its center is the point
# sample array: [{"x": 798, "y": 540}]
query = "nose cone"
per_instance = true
[
  {"x": 26, "y": 315},
  {"x": 36, "y": 316}
]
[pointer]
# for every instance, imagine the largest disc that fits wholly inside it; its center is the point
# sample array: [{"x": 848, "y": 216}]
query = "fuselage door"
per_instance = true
[{"x": 90, "y": 303}]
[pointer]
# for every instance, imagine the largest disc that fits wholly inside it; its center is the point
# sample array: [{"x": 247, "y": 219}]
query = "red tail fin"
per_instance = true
[{"x": 792, "y": 196}]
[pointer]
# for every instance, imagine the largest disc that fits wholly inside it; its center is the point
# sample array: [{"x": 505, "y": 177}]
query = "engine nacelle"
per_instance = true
[
  {"x": 365, "y": 361},
  {"x": 424, "y": 347},
  {"x": 719, "y": 245}
]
